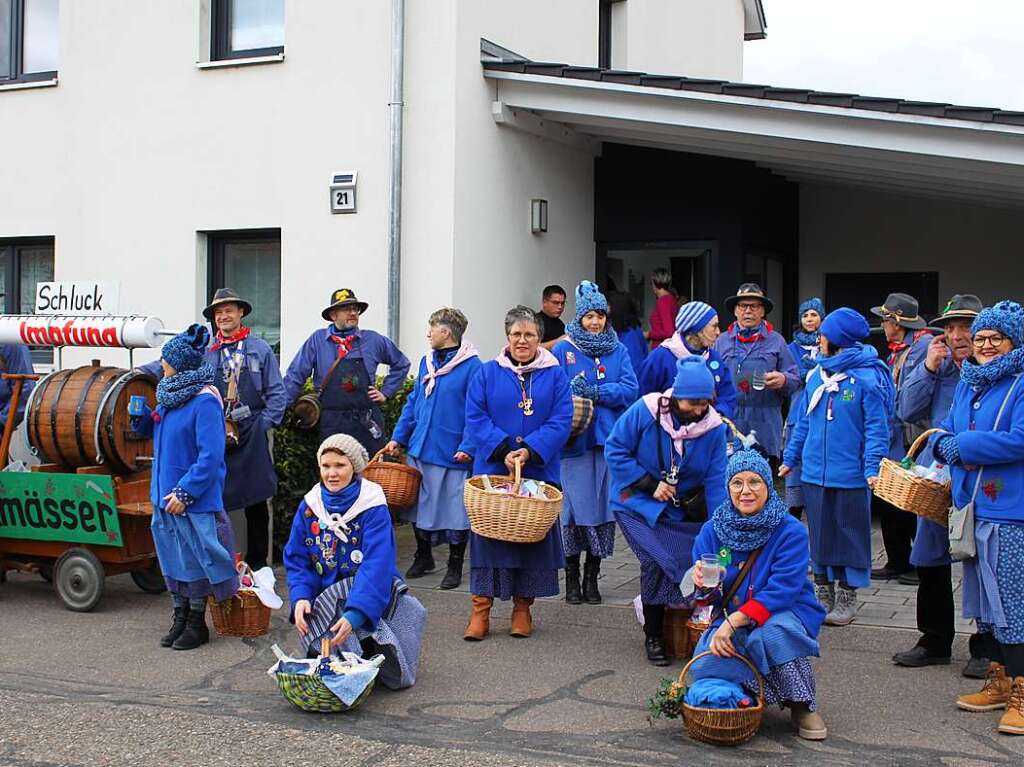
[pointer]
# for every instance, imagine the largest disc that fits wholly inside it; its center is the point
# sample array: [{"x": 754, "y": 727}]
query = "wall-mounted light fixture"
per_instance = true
[{"x": 538, "y": 215}]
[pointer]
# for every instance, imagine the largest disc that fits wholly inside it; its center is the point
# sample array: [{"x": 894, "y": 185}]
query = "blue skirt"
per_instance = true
[
  {"x": 585, "y": 487},
  {"x": 398, "y": 635},
  {"x": 506, "y": 582},
  {"x": 196, "y": 553},
  {"x": 993, "y": 584},
  {"x": 665, "y": 554},
  {"x": 439, "y": 505},
  {"x": 839, "y": 525},
  {"x": 931, "y": 544},
  {"x": 597, "y": 541}
]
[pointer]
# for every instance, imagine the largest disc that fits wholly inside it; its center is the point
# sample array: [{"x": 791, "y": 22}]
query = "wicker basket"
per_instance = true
[
  {"x": 244, "y": 615},
  {"x": 508, "y": 517},
  {"x": 307, "y": 692},
  {"x": 723, "y": 726},
  {"x": 909, "y": 492},
  {"x": 399, "y": 481},
  {"x": 582, "y": 415}
]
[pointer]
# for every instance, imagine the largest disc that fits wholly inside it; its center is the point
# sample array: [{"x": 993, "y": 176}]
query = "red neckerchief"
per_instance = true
[
  {"x": 240, "y": 335},
  {"x": 768, "y": 329},
  {"x": 345, "y": 344},
  {"x": 899, "y": 346}
]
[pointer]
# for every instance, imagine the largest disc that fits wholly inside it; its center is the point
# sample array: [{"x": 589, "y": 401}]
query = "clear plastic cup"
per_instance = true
[{"x": 710, "y": 570}]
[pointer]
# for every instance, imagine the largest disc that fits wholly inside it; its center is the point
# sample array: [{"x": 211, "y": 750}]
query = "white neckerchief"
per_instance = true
[
  {"x": 828, "y": 384},
  {"x": 370, "y": 495}
]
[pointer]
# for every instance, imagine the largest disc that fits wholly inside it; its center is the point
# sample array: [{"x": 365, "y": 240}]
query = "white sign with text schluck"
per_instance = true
[{"x": 77, "y": 298}]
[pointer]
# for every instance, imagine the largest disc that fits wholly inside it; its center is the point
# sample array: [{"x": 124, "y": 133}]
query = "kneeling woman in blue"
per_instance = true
[
  {"x": 519, "y": 409},
  {"x": 667, "y": 460},
  {"x": 340, "y": 563},
  {"x": 192, "y": 533},
  {"x": 840, "y": 438},
  {"x": 773, "y": 617},
  {"x": 599, "y": 369},
  {"x": 432, "y": 430},
  {"x": 985, "y": 452}
]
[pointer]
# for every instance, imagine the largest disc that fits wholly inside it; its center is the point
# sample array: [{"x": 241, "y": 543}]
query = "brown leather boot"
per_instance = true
[
  {"x": 994, "y": 694},
  {"x": 480, "y": 620},
  {"x": 522, "y": 623},
  {"x": 1012, "y": 722},
  {"x": 809, "y": 724}
]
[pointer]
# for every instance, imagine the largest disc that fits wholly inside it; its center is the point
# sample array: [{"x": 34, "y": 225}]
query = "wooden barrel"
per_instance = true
[{"x": 79, "y": 417}]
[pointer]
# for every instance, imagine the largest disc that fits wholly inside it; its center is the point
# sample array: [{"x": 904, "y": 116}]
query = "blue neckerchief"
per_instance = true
[
  {"x": 983, "y": 376},
  {"x": 759, "y": 328},
  {"x": 742, "y": 533},
  {"x": 592, "y": 344},
  {"x": 442, "y": 356},
  {"x": 803, "y": 338},
  {"x": 174, "y": 391},
  {"x": 341, "y": 501},
  {"x": 333, "y": 330},
  {"x": 862, "y": 356}
]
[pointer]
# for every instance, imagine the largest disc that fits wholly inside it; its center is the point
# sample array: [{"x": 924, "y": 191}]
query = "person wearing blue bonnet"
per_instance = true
[
  {"x": 840, "y": 438},
  {"x": 774, "y": 618},
  {"x": 804, "y": 348},
  {"x": 696, "y": 333},
  {"x": 599, "y": 369},
  {"x": 625, "y": 318},
  {"x": 340, "y": 562},
  {"x": 432, "y": 429},
  {"x": 667, "y": 457},
  {"x": 983, "y": 445},
  {"x": 191, "y": 531}
]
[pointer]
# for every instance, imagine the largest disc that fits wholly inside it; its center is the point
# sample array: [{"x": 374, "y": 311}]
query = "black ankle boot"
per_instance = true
[
  {"x": 177, "y": 626},
  {"x": 195, "y": 632},
  {"x": 590, "y": 572},
  {"x": 573, "y": 595},
  {"x": 423, "y": 561},
  {"x": 654, "y": 630},
  {"x": 655, "y": 648},
  {"x": 453, "y": 578}
]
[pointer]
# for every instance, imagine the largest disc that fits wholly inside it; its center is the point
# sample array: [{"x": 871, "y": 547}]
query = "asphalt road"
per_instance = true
[{"x": 96, "y": 689}]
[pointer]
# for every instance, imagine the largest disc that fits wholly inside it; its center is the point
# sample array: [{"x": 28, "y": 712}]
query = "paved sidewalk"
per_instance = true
[{"x": 885, "y": 603}]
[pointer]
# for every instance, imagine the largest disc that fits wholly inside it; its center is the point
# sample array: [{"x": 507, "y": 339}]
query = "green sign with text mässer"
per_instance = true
[{"x": 73, "y": 508}]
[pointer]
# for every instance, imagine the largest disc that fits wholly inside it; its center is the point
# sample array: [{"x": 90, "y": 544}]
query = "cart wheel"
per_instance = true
[
  {"x": 78, "y": 578},
  {"x": 46, "y": 572},
  {"x": 150, "y": 580}
]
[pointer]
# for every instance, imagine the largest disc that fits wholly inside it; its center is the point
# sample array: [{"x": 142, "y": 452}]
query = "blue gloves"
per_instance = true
[
  {"x": 581, "y": 388},
  {"x": 947, "y": 448}
]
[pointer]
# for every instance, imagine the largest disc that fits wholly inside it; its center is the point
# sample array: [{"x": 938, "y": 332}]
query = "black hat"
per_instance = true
[
  {"x": 343, "y": 297},
  {"x": 226, "y": 296},
  {"x": 901, "y": 309},
  {"x": 964, "y": 306},
  {"x": 749, "y": 290}
]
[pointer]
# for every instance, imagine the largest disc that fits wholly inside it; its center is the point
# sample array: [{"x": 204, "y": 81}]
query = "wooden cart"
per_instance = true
[{"x": 74, "y": 527}]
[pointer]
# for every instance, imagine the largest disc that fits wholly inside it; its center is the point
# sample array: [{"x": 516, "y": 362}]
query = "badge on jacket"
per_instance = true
[{"x": 570, "y": 358}]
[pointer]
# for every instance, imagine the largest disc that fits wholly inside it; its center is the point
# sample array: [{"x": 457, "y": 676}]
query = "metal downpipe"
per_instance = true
[{"x": 395, "y": 107}]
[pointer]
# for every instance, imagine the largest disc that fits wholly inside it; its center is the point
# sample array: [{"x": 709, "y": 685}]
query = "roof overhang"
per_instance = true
[
  {"x": 754, "y": 25},
  {"x": 966, "y": 160}
]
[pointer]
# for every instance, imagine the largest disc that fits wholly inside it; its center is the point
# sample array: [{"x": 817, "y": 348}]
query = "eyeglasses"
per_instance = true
[
  {"x": 749, "y": 307},
  {"x": 996, "y": 341},
  {"x": 738, "y": 485}
]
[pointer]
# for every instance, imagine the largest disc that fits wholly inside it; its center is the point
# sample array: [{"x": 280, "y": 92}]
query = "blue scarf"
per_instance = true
[
  {"x": 174, "y": 391},
  {"x": 342, "y": 500},
  {"x": 592, "y": 344},
  {"x": 742, "y": 533},
  {"x": 983, "y": 376},
  {"x": 861, "y": 356},
  {"x": 803, "y": 338}
]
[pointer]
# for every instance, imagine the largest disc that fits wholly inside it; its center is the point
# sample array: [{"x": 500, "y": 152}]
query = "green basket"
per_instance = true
[{"x": 310, "y": 694}]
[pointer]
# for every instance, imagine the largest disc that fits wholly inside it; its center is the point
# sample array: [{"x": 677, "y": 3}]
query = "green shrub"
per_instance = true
[{"x": 295, "y": 460}]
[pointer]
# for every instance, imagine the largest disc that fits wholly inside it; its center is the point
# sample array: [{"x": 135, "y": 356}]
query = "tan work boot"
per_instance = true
[
  {"x": 522, "y": 623},
  {"x": 994, "y": 693},
  {"x": 809, "y": 724},
  {"x": 480, "y": 620},
  {"x": 1012, "y": 722}
]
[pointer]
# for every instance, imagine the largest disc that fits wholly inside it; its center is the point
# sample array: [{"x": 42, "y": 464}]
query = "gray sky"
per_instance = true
[{"x": 968, "y": 52}]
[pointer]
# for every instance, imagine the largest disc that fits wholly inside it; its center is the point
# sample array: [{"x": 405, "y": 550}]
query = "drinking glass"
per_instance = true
[{"x": 710, "y": 570}]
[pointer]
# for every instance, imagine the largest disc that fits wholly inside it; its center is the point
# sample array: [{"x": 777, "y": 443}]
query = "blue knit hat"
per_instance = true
[
  {"x": 845, "y": 327},
  {"x": 1007, "y": 317},
  {"x": 589, "y": 298},
  {"x": 692, "y": 317},
  {"x": 811, "y": 304},
  {"x": 185, "y": 350},
  {"x": 693, "y": 379},
  {"x": 749, "y": 460}
]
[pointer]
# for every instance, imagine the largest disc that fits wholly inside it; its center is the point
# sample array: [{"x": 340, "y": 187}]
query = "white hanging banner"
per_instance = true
[
  {"x": 77, "y": 298},
  {"x": 128, "y": 331}
]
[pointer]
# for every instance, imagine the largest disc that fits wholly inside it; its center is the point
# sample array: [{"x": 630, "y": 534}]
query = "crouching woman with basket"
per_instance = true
[
  {"x": 766, "y": 608},
  {"x": 518, "y": 411},
  {"x": 340, "y": 560}
]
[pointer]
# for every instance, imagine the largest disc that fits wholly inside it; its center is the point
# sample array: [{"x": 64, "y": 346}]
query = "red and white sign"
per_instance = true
[{"x": 126, "y": 332}]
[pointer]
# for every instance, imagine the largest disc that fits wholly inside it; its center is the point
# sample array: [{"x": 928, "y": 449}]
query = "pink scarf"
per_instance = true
[
  {"x": 687, "y": 431},
  {"x": 676, "y": 345},
  {"x": 544, "y": 359},
  {"x": 466, "y": 351}
]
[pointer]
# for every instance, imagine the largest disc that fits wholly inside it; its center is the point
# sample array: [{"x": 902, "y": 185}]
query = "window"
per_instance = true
[
  {"x": 250, "y": 263},
  {"x": 23, "y": 264},
  {"x": 247, "y": 28},
  {"x": 610, "y": 27},
  {"x": 28, "y": 40}
]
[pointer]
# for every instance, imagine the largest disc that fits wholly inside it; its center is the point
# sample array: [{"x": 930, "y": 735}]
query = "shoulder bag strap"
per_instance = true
[
  {"x": 740, "y": 577},
  {"x": 999, "y": 417}
]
